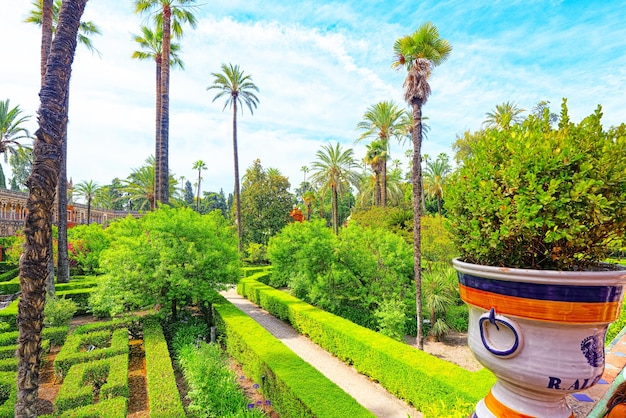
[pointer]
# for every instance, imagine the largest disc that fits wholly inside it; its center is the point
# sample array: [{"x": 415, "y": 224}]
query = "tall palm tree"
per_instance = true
[
  {"x": 169, "y": 16},
  {"x": 139, "y": 186},
  {"x": 435, "y": 174},
  {"x": 419, "y": 53},
  {"x": 151, "y": 42},
  {"x": 45, "y": 13},
  {"x": 503, "y": 116},
  {"x": 383, "y": 121},
  {"x": 42, "y": 186},
  {"x": 12, "y": 128},
  {"x": 199, "y": 165},
  {"x": 334, "y": 170},
  {"x": 88, "y": 190},
  {"x": 238, "y": 89}
]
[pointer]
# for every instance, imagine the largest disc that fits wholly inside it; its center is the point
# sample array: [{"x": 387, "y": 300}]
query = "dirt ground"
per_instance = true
[{"x": 454, "y": 349}]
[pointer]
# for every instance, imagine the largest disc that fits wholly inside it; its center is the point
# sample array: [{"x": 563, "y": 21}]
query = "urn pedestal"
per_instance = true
[{"x": 541, "y": 332}]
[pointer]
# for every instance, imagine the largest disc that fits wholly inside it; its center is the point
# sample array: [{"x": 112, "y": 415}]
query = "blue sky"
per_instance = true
[{"x": 319, "y": 65}]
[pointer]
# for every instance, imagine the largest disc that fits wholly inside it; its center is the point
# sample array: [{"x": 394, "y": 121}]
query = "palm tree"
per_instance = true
[
  {"x": 169, "y": 16},
  {"x": 419, "y": 53},
  {"x": 434, "y": 177},
  {"x": 139, "y": 186},
  {"x": 199, "y": 165},
  {"x": 376, "y": 156},
  {"x": 11, "y": 129},
  {"x": 42, "y": 186},
  {"x": 383, "y": 121},
  {"x": 503, "y": 116},
  {"x": 45, "y": 13},
  {"x": 151, "y": 42},
  {"x": 238, "y": 89},
  {"x": 88, "y": 190},
  {"x": 334, "y": 170}
]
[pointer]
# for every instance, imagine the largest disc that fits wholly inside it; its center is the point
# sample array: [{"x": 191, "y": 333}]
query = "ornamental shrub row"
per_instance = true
[
  {"x": 56, "y": 335},
  {"x": 10, "y": 275},
  {"x": 432, "y": 385},
  {"x": 8, "y": 393},
  {"x": 105, "y": 344},
  {"x": 108, "y": 408},
  {"x": 162, "y": 391},
  {"x": 110, "y": 375},
  {"x": 295, "y": 388}
]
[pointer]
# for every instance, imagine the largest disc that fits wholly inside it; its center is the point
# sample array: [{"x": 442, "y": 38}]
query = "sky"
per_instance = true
[{"x": 318, "y": 65}]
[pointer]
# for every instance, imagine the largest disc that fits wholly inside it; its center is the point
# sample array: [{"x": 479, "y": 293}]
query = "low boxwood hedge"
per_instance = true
[
  {"x": 295, "y": 388},
  {"x": 162, "y": 390},
  {"x": 110, "y": 374},
  {"x": 9, "y": 275},
  {"x": 432, "y": 385},
  {"x": 108, "y": 408},
  {"x": 106, "y": 344},
  {"x": 8, "y": 393}
]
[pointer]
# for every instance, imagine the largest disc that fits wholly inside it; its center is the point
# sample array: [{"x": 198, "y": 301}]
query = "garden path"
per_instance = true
[{"x": 368, "y": 393}]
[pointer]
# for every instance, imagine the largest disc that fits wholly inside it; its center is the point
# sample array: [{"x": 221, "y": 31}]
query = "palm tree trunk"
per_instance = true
[
  {"x": 416, "y": 179},
  {"x": 334, "y": 206},
  {"x": 46, "y": 42},
  {"x": 42, "y": 184},
  {"x": 383, "y": 191},
  {"x": 163, "y": 174},
  {"x": 377, "y": 191},
  {"x": 157, "y": 140},
  {"x": 198, "y": 193},
  {"x": 88, "y": 211},
  {"x": 237, "y": 194},
  {"x": 63, "y": 264}
]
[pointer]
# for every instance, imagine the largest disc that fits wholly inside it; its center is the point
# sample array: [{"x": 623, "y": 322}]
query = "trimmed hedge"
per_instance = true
[
  {"x": 78, "y": 386},
  {"x": 80, "y": 296},
  {"x": 432, "y": 385},
  {"x": 56, "y": 335},
  {"x": 9, "y": 389},
  {"x": 295, "y": 388},
  {"x": 10, "y": 285},
  {"x": 70, "y": 353},
  {"x": 162, "y": 390},
  {"x": 108, "y": 408},
  {"x": 113, "y": 324},
  {"x": 10, "y": 275}
]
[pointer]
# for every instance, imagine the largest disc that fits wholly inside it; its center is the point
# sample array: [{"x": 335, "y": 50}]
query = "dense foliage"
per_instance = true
[
  {"x": 360, "y": 274},
  {"x": 85, "y": 243},
  {"x": 533, "y": 196},
  {"x": 170, "y": 258}
]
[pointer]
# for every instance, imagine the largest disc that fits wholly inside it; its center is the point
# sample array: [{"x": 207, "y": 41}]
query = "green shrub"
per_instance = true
[
  {"x": 10, "y": 274},
  {"x": 162, "y": 391},
  {"x": 105, "y": 344},
  {"x": 413, "y": 375},
  {"x": 58, "y": 311},
  {"x": 213, "y": 388},
  {"x": 536, "y": 197},
  {"x": 108, "y": 408},
  {"x": 8, "y": 315},
  {"x": 85, "y": 243},
  {"x": 294, "y": 387},
  {"x": 109, "y": 375},
  {"x": 8, "y": 392}
]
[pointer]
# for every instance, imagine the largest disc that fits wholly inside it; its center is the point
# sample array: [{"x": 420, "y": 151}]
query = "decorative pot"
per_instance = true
[{"x": 541, "y": 332}]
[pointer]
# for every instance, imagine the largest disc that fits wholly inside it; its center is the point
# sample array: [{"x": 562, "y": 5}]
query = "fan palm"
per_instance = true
[
  {"x": 419, "y": 53},
  {"x": 238, "y": 89},
  {"x": 383, "y": 121},
  {"x": 42, "y": 186},
  {"x": 169, "y": 15},
  {"x": 334, "y": 170},
  {"x": 503, "y": 116}
]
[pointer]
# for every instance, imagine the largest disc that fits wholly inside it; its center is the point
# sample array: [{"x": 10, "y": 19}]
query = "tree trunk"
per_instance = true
[
  {"x": 198, "y": 193},
  {"x": 163, "y": 173},
  {"x": 42, "y": 184},
  {"x": 377, "y": 190},
  {"x": 383, "y": 191},
  {"x": 88, "y": 211},
  {"x": 157, "y": 139},
  {"x": 416, "y": 179},
  {"x": 237, "y": 194},
  {"x": 63, "y": 264},
  {"x": 334, "y": 209}
]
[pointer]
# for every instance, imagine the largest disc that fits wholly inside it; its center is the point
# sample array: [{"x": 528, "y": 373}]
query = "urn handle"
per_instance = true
[{"x": 500, "y": 335}]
